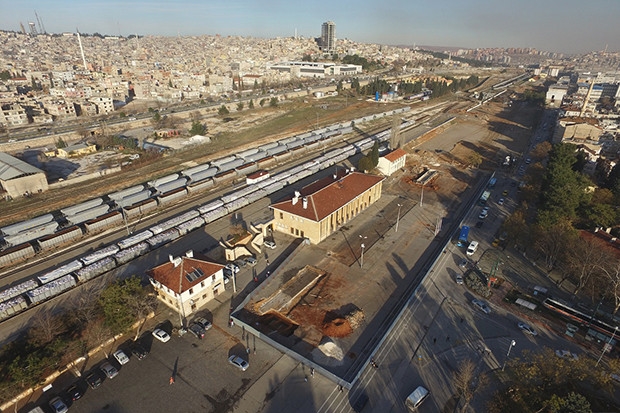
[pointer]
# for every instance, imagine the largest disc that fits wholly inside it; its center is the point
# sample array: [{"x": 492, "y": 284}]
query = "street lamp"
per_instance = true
[
  {"x": 608, "y": 345},
  {"x": 398, "y": 217},
  {"x": 512, "y": 343},
  {"x": 422, "y": 197},
  {"x": 362, "y": 257}
]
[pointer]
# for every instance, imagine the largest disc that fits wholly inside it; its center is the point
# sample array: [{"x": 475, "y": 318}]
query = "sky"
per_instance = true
[{"x": 566, "y": 26}]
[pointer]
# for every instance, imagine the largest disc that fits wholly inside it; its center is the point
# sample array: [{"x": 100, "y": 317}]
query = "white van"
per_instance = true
[
  {"x": 416, "y": 398},
  {"x": 473, "y": 246}
]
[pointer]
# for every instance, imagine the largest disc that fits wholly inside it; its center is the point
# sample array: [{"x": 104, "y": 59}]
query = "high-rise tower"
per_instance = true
[{"x": 328, "y": 37}]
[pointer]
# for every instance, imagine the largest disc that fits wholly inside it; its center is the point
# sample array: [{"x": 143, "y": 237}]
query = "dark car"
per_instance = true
[
  {"x": 94, "y": 380},
  {"x": 360, "y": 403},
  {"x": 139, "y": 351},
  {"x": 74, "y": 392},
  {"x": 197, "y": 330}
]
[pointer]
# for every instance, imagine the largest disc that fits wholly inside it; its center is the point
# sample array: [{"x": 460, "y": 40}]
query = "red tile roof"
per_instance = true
[
  {"x": 169, "y": 275},
  {"x": 395, "y": 155},
  {"x": 328, "y": 195}
]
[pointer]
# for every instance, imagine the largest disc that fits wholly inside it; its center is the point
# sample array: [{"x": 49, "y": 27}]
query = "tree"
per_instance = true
[
  {"x": 262, "y": 102},
  {"x": 517, "y": 228},
  {"x": 239, "y": 106},
  {"x": 60, "y": 143},
  {"x": 551, "y": 240},
  {"x": 273, "y": 102},
  {"x": 251, "y": 104},
  {"x": 223, "y": 110},
  {"x": 374, "y": 155},
  {"x": 45, "y": 327},
  {"x": 197, "y": 128},
  {"x": 121, "y": 303},
  {"x": 96, "y": 333},
  {"x": 475, "y": 159},
  {"x": 581, "y": 260},
  {"x": 395, "y": 137},
  {"x": 365, "y": 164},
  {"x": 571, "y": 403},
  {"x": 464, "y": 382},
  {"x": 610, "y": 270}
]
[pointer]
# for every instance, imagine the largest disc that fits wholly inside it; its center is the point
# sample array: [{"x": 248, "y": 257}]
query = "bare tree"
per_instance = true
[
  {"x": 395, "y": 139},
  {"x": 610, "y": 270},
  {"x": 141, "y": 305},
  {"x": 551, "y": 242},
  {"x": 464, "y": 381},
  {"x": 84, "y": 307},
  {"x": 45, "y": 327},
  {"x": 582, "y": 260},
  {"x": 96, "y": 333}
]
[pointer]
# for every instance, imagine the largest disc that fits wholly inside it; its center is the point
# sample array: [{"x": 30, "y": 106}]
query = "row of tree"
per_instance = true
[{"x": 56, "y": 339}]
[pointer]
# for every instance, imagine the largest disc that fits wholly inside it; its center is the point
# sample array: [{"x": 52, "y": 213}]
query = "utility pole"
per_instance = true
[{"x": 397, "y": 218}]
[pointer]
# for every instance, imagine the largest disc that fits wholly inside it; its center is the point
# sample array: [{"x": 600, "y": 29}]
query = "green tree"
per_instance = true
[
  {"x": 374, "y": 155},
  {"x": 239, "y": 106},
  {"x": 571, "y": 403},
  {"x": 197, "y": 128},
  {"x": 273, "y": 102},
  {"x": 170, "y": 83},
  {"x": 5, "y": 75},
  {"x": 60, "y": 143},
  {"x": 475, "y": 159},
  {"x": 262, "y": 102},
  {"x": 223, "y": 110},
  {"x": 122, "y": 303},
  {"x": 251, "y": 104},
  {"x": 365, "y": 164}
]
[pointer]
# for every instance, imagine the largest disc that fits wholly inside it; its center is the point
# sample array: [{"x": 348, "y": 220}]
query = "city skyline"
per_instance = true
[{"x": 557, "y": 26}]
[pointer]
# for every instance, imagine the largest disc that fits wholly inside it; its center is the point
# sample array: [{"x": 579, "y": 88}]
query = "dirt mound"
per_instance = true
[{"x": 337, "y": 327}]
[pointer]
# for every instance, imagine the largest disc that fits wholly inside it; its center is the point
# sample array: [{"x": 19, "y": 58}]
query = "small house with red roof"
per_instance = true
[
  {"x": 392, "y": 162},
  {"x": 187, "y": 283},
  {"x": 321, "y": 208}
]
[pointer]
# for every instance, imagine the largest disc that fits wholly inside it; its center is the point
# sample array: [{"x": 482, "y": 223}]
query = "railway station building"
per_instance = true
[
  {"x": 187, "y": 283},
  {"x": 392, "y": 162},
  {"x": 323, "y": 207}
]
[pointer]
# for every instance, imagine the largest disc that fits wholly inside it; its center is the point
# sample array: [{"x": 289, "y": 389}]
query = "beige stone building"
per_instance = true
[
  {"x": 322, "y": 207},
  {"x": 392, "y": 162},
  {"x": 78, "y": 149},
  {"x": 19, "y": 178},
  {"x": 187, "y": 283}
]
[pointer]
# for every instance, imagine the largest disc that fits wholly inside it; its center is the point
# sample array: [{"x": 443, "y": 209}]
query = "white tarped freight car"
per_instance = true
[
  {"x": 163, "y": 238},
  {"x": 130, "y": 253},
  {"x": 60, "y": 271},
  {"x": 89, "y": 214},
  {"x": 171, "y": 186},
  {"x": 163, "y": 180},
  {"x": 222, "y": 161},
  {"x": 196, "y": 169},
  {"x": 51, "y": 289},
  {"x": 215, "y": 214},
  {"x": 134, "y": 198},
  {"x": 100, "y": 254},
  {"x": 231, "y": 165},
  {"x": 203, "y": 209},
  {"x": 190, "y": 225},
  {"x": 17, "y": 289},
  {"x": 12, "y": 306},
  {"x": 96, "y": 269},
  {"x": 207, "y": 173},
  {"x": 173, "y": 222},
  {"x": 134, "y": 239}
]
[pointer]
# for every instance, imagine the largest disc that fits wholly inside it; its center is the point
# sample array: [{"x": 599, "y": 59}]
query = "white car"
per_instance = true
[
  {"x": 473, "y": 246},
  {"x": 161, "y": 335},
  {"x": 109, "y": 370},
  {"x": 501, "y": 201},
  {"x": 481, "y": 305},
  {"x": 251, "y": 261},
  {"x": 484, "y": 213},
  {"x": 238, "y": 362},
  {"x": 232, "y": 267},
  {"x": 270, "y": 244},
  {"x": 527, "y": 328},
  {"x": 121, "y": 357}
]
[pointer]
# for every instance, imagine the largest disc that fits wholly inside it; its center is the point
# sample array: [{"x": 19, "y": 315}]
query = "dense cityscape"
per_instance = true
[{"x": 240, "y": 224}]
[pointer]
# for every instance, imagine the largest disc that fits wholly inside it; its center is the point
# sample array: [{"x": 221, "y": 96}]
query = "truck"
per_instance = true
[
  {"x": 485, "y": 197},
  {"x": 492, "y": 182},
  {"x": 463, "y": 235}
]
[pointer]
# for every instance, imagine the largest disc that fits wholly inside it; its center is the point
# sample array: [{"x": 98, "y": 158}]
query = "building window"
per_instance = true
[
  {"x": 202, "y": 284},
  {"x": 292, "y": 230},
  {"x": 204, "y": 296},
  {"x": 213, "y": 278},
  {"x": 191, "y": 291},
  {"x": 281, "y": 215}
]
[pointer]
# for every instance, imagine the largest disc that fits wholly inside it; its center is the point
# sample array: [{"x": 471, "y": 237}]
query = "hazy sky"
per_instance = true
[{"x": 556, "y": 25}]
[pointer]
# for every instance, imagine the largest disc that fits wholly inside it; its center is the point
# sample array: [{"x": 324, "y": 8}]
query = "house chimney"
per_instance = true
[
  {"x": 305, "y": 202},
  {"x": 190, "y": 254},
  {"x": 295, "y": 199},
  {"x": 335, "y": 177}
]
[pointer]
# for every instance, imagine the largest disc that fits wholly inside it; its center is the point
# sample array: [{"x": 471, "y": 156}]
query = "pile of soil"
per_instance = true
[{"x": 338, "y": 327}]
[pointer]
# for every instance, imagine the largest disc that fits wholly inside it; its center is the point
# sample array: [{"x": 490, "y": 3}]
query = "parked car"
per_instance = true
[
  {"x": 473, "y": 246},
  {"x": 501, "y": 201},
  {"x": 74, "y": 392},
  {"x": 109, "y": 370},
  {"x": 240, "y": 263},
  {"x": 58, "y": 405},
  {"x": 161, "y": 335},
  {"x": 251, "y": 261},
  {"x": 232, "y": 267},
  {"x": 459, "y": 279},
  {"x": 121, "y": 357},
  {"x": 238, "y": 362},
  {"x": 463, "y": 264},
  {"x": 203, "y": 322},
  {"x": 197, "y": 330},
  {"x": 481, "y": 305},
  {"x": 270, "y": 244},
  {"x": 506, "y": 191},
  {"x": 94, "y": 380},
  {"x": 527, "y": 328},
  {"x": 565, "y": 354},
  {"x": 139, "y": 351},
  {"x": 484, "y": 213}
]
